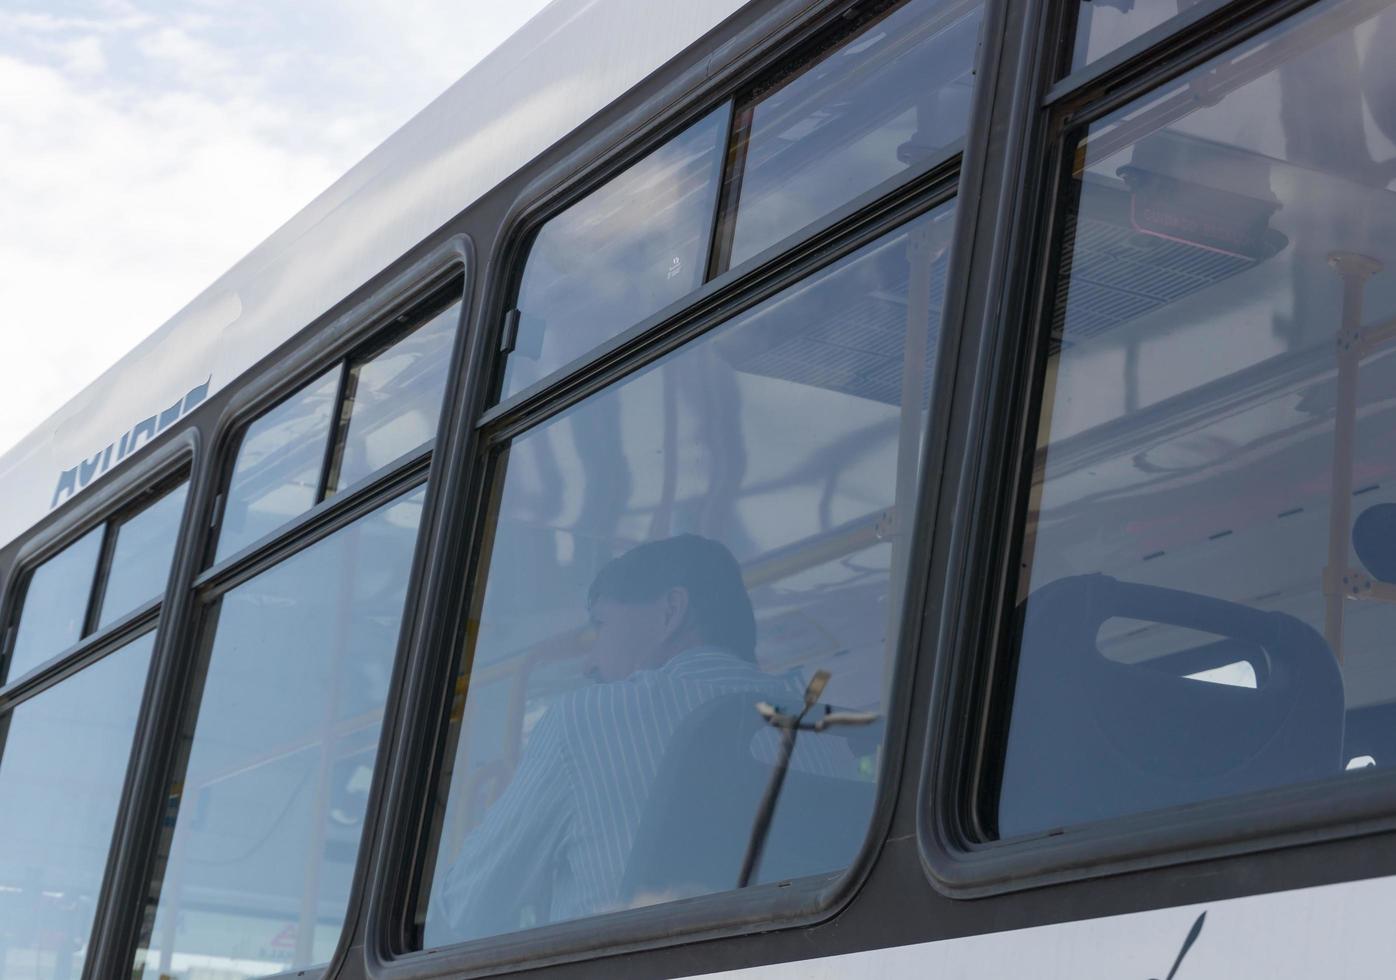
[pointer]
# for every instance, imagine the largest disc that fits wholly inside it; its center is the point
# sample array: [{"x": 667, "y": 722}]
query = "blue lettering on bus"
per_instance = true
[{"x": 77, "y": 478}]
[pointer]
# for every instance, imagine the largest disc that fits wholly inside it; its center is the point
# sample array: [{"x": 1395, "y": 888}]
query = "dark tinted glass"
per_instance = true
[
  {"x": 140, "y": 561},
  {"x": 756, "y": 488},
  {"x": 628, "y": 249},
  {"x": 64, "y": 763},
  {"x": 1208, "y": 589},
  {"x": 1105, "y": 25},
  {"x": 55, "y": 604},
  {"x": 896, "y": 94},
  {"x": 279, "y": 464},
  {"x": 393, "y": 401},
  {"x": 268, "y": 814}
]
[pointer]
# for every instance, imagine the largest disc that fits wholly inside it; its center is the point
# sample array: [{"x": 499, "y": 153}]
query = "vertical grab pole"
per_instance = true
[
  {"x": 761, "y": 829},
  {"x": 789, "y": 726},
  {"x": 1354, "y": 270}
]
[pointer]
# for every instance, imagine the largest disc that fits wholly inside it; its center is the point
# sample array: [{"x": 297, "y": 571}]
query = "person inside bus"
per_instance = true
[{"x": 674, "y": 629}]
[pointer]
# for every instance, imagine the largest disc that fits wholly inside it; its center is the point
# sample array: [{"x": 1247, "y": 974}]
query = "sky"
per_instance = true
[{"x": 147, "y": 145}]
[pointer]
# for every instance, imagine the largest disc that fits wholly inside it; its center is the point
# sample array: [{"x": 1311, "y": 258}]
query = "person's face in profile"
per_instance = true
[{"x": 635, "y": 635}]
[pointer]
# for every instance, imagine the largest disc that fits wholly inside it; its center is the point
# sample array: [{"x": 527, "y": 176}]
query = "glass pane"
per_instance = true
[
  {"x": 1105, "y": 25},
  {"x": 1207, "y": 591},
  {"x": 268, "y": 813},
  {"x": 279, "y": 465},
  {"x": 894, "y": 96},
  {"x": 140, "y": 562},
  {"x": 628, "y": 249},
  {"x": 393, "y": 402},
  {"x": 710, "y": 532},
  {"x": 55, "y": 604},
  {"x": 64, "y": 763}
]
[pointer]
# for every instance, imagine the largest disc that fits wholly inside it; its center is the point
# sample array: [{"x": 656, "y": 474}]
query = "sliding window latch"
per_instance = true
[{"x": 509, "y": 336}]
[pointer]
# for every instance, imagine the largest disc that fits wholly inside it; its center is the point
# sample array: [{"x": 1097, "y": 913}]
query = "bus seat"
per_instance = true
[
  {"x": 1092, "y": 738},
  {"x": 1374, "y": 541},
  {"x": 695, "y": 827}
]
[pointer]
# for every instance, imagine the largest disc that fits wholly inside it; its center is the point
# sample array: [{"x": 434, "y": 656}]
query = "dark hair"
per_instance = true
[{"x": 719, "y": 608}]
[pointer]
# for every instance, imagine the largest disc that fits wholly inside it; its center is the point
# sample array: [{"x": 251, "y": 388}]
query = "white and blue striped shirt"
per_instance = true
[{"x": 555, "y": 844}]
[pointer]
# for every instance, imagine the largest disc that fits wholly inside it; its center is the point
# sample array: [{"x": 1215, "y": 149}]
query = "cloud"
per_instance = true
[{"x": 145, "y": 149}]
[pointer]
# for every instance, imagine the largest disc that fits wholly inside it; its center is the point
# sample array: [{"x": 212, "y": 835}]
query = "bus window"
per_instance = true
[
  {"x": 65, "y": 759},
  {"x": 721, "y": 528},
  {"x": 141, "y": 556},
  {"x": 54, "y": 615},
  {"x": 1102, "y": 26},
  {"x": 279, "y": 464},
  {"x": 1215, "y": 481},
  {"x": 392, "y": 401},
  {"x": 895, "y": 95},
  {"x": 267, "y": 813},
  {"x": 626, "y": 250},
  {"x": 351, "y": 422}
]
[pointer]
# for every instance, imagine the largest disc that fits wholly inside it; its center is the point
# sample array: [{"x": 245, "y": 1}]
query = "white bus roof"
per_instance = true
[{"x": 563, "y": 66}]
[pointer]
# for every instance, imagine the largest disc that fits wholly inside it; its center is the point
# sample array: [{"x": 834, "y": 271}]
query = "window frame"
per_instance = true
[
  {"x": 403, "y": 841},
  {"x": 122, "y": 494},
  {"x": 412, "y": 310},
  {"x": 152, "y": 495},
  {"x": 24, "y": 581},
  {"x": 1151, "y": 59},
  {"x": 961, "y": 858},
  {"x": 442, "y": 277},
  {"x": 118, "y": 501},
  {"x": 786, "y": 70},
  {"x": 406, "y": 324},
  {"x": 1155, "y": 40},
  {"x": 611, "y": 153}
]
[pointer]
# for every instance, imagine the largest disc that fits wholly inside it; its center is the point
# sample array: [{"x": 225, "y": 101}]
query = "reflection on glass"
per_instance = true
[
  {"x": 1217, "y": 441},
  {"x": 1105, "y": 25},
  {"x": 707, "y": 533},
  {"x": 894, "y": 96},
  {"x": 270, "y": 806},
  {"x": 64, "y": 763},
  {"x": 628, "y": 249},
  {"x": 55, "y": 604},
  {"x": 140, "y": 561},
  {"x": 277, "y": 474},
  {"x": 393, "y": 401}
]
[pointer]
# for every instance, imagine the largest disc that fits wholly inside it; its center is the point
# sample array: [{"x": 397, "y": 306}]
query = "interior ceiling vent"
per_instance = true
[
  {"x": 856, "y": 348},
  {"x": 1116, "y": 272}
]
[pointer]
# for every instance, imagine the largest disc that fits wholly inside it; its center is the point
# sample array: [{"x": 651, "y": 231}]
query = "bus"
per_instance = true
[{"x": 750, "y": 488}]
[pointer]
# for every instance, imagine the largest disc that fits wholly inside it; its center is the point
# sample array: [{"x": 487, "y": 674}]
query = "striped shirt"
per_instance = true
[{"x": 555, "y": 844}]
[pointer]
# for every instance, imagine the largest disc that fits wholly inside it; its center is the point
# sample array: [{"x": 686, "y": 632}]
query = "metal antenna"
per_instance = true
[{"x": 790, "y": 726}]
